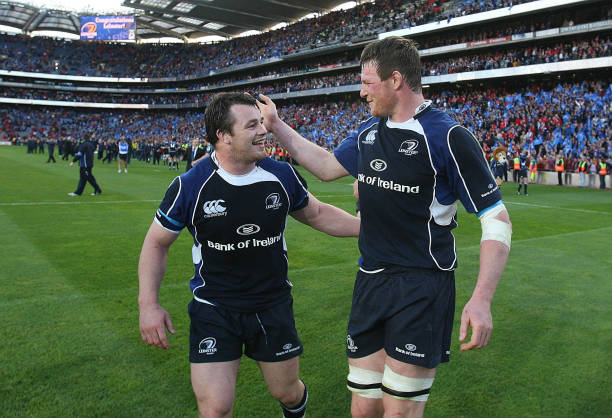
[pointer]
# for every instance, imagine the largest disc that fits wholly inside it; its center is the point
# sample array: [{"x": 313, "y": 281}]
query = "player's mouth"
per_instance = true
[{"x": 259, "y": 141}]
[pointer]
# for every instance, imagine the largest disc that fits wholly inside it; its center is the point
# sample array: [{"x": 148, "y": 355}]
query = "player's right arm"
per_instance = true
[
  {"x": 151, "y": 269},
  {"x": 312, "y": 157}
]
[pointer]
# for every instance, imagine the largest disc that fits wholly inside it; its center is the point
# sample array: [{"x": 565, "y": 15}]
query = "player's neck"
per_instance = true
[
  {"x": 236, "y": 168},
  {"x": 405, "y": 107}
]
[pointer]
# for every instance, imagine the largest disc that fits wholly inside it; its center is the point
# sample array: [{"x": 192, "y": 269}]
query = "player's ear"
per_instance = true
[
  {"x": 397, "y": 79},
  {"x": 224, "y": 137}
]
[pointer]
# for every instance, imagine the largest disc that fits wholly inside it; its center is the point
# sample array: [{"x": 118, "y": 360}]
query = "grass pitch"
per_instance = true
[{"x": 70, "y": 344}]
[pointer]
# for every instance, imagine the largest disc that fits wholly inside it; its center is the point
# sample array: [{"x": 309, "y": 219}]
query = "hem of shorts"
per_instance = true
[
  {"x": 362, "y": 353},
  {"x": 278, "y": 359},
  {"x": 416, "y": 362}
]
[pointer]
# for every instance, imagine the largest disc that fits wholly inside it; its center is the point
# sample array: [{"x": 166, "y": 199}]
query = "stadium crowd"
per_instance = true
[
  {"x": 571, "y": 118},
  {"x": 592, "y": 47},
  {"x": 23, "y": 53}
]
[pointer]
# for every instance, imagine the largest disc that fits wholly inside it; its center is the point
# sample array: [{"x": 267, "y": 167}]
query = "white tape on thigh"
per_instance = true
[
  {"x": 364, "y": 382},
  {"x": 494, "y": 229},
  {"x": 406, "y": 388}
]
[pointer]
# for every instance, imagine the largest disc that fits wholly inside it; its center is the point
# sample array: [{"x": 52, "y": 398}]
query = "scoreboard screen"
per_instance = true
[{"x": 108, "y": 28}]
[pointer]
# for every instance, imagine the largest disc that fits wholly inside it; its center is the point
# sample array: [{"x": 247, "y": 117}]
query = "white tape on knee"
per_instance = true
[
  {"x": 406, "y": 388},
  {"x": 494, "y": 229},
  {"x": 364, "y": 382}
]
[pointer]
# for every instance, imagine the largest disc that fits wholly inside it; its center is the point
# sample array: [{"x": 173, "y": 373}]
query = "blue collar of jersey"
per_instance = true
[{"x": 422, "y": 108}]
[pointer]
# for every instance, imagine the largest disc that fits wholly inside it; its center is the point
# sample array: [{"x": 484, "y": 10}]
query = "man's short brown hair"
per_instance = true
[{"x": 395, "y": 54}]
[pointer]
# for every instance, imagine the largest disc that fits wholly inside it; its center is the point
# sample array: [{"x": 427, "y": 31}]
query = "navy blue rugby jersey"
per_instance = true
[
  {"x": 237, "y": 223},
  {"x": 523, "y": 162},
  {"x": 410, "y": 176}
]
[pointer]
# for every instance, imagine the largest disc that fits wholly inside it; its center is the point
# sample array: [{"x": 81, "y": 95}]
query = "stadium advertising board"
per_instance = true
[{"x": 108, "y": 28}]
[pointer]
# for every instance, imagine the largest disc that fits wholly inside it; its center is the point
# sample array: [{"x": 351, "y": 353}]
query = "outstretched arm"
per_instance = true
[
  {"x": 315, "y": 159},
  {"x": 151, "y": 269},
  {"x": 327, "y": 218},
  {"x": 477, "y": 312}
]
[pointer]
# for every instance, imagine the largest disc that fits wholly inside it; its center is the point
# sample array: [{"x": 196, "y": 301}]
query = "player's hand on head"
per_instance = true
[
  {"x": 268, "y": 110},
  {"x": 153, "y": 323},
  {"x": 477, "y": 315}
]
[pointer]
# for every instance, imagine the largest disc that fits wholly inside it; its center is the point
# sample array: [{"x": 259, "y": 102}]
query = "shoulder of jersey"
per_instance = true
[
  {"x": 272, "y": 165},
  {"x": 364, "y": 124},
  {"x": 436, "y": 118},
  {"x": 433, "y": 112},
  {"x": 199, "y": 172}
]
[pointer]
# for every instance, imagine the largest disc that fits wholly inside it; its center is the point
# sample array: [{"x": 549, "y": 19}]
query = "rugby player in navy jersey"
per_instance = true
[
  {"x": 235, "y": 204},
  {"x": 412, "y": 162}
]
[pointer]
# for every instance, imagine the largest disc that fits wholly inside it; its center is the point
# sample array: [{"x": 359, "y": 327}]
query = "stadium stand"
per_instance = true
[{"x": 524, "y": 74}]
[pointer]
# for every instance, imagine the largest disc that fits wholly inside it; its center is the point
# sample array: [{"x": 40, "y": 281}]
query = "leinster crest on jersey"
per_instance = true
[
  {"x": 273, "y": 201},
  {"x": 409, "y": 147}
]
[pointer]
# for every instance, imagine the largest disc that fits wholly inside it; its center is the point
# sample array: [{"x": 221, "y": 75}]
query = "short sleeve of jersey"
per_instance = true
[
  {"x": 299, "y": 194},
  {"x": 347, "y": 154},
  {"x": 469, "y": 173},
  {"x": 171, "y": 214}
]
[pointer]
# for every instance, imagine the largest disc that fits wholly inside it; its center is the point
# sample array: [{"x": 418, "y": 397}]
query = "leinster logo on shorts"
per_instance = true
[
  {"x": 273, "y": 201},
  {"x": 370, "y": 137},
  {"x": 378, "y": 165},
  {"x": 408, "y": 147},
  {"x": 207, "y": 346},
  {"x": 248, "y": 229},
  {"x": 214, "y": 208}
]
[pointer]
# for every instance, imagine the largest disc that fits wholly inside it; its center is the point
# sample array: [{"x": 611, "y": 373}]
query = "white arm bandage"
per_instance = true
[{"x": 494, "y": 229}]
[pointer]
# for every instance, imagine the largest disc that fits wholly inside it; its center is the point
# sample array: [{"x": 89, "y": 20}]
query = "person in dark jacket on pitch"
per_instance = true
[
  {"x": 51, "y": 149},
  {"x": 195, "y": 152},
  {"x": 85, "y": 156}
]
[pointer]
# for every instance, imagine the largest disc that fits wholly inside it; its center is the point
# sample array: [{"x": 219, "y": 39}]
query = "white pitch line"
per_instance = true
[
  {"x": 103, "y": 202},
  {"x": 520, "y": 241},
  {"x": 559, "y": 208},
  {"x": 93, "y": 202}
]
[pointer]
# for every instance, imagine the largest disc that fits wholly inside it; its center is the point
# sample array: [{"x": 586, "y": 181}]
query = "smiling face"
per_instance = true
[
  {"x": 379, "y": 94},
  {"x": 248, "y": 134}
]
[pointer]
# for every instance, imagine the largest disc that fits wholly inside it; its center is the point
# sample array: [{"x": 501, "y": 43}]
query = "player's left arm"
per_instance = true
[
  {"x": 327, "y": 218},
  {"x": 475, "y": 186},
  {"x": 494, "y": 251}
]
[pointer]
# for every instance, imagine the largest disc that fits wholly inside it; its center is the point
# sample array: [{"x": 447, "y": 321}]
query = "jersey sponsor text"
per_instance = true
[{"x": 388, "y": 184}]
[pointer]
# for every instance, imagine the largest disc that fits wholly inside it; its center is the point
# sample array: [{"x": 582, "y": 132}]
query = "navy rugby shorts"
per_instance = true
[
  {"x": 408, "y": 312},
  {"x": 218, "y": 334}
]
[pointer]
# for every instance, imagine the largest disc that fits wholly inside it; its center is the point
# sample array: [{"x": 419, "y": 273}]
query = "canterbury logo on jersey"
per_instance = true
[
  {"x": 370, "y": 137},
  {"x": 214, "y": 208}
]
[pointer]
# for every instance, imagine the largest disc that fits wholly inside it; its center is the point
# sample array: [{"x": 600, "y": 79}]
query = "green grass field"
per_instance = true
[{"x": 69, "y": 338}]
